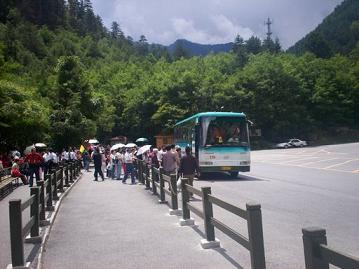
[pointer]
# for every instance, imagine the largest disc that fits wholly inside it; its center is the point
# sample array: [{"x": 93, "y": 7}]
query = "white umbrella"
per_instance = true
[
  {"x": 131, "y": 145},
  {"x": 143, "y": 149},
  {"x": 142, "y": 139},
  {"x": 40, "y": 145},
  {"x": 117, "y": 146},
  {"x": 94, "y": 141},
  {"x": 28, "y": 149}
]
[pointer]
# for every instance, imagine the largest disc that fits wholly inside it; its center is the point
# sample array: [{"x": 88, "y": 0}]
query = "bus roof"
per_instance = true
[{"x": 212, "y": 114}]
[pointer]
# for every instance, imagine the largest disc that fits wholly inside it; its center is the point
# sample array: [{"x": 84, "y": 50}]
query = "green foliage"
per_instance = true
[
  {"x": 338, "y": 33},
  {"x": 180, "y": 52},
  {"x": 74, "y": 110},
  {"x": 23, "y": 117}
]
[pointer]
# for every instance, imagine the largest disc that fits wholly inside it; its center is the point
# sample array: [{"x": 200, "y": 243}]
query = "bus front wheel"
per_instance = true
[{"x": 234, "y": 174}]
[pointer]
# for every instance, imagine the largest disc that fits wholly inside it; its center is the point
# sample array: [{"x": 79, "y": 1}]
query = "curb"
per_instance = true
[{"x": 38, "y": 260}]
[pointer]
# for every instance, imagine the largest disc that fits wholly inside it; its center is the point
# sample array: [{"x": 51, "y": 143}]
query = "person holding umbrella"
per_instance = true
[
  {"x": 141, "y": 141},
  {"x": 128, "y": 159}
]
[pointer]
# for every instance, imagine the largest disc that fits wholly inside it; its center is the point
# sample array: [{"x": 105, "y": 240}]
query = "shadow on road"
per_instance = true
[
  {"x": 221, "y": 251},
  {"x": 218, "y": 176}
]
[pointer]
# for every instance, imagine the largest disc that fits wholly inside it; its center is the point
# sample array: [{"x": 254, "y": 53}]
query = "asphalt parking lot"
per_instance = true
[
  {"x": 297, "y": 188},
  {"x": 339, "y": 158}
]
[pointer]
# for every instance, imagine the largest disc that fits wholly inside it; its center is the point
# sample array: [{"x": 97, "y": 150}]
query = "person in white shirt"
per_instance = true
[
  {"x": 65, "y": 155},
  {"x": 72, "y": 155},
  {"x": 160, "y": 154},
  {"x": 54, "y": 159},
  {"x": 118, "y": 165},
  {"x": 112, "y": 164},
  {"x": 128, "y": 158},
  {"x": 47, "y": 159}
]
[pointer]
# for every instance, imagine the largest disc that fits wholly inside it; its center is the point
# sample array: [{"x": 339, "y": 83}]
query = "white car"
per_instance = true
[{"x": 292, "y": 143}]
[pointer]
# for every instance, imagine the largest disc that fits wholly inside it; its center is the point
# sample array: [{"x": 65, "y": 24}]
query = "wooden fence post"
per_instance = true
[
  {"x": 147, "y": 179},
  {"x": 54, "y": 183},
  {"x": 173, "y": 187},
  {"x": 208, "y": 214},
  {"x": 42, "y": 200},
  {"x": 255, "y": 235},
  {"x": 153, "y": 175},
  {"x": 49, "y": 206},
  {"x": 71, "y": 172},
  {"x": 16, "y": 238},
  {"x": 66, "y": 175},
  {"x": 34, "y": 212},
  {"x": 162, "y": 188},
  {"x": 312, "y": 238},
  {"x": 186, "y": 213}
]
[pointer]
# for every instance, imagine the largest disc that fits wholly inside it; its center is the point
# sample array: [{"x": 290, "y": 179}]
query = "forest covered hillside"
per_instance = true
[
  {"x": 64, "y": 77},
  {"x": 338, "y": 33},
  {"x": 195, "y": 49}
]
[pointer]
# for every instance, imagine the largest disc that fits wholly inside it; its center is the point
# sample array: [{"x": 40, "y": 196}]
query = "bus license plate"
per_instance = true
[{"x": 226, "y": 168}]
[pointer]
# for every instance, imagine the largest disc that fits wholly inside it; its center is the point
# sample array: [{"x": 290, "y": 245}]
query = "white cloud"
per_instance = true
[
  {"x": 185, "y": 29},
  {"x": 229, "y": 30},
  {"x": 222, "y": 30},
  {"x": 213, "y": 21}
]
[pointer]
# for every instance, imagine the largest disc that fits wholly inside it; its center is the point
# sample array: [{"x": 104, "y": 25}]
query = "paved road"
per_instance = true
[
  {"x": 112, "y": 225},
  {"x": 297, "y": 188}
]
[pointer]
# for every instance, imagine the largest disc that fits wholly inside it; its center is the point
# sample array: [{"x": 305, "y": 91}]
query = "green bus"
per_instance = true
[{"x": 219, "y": 141}]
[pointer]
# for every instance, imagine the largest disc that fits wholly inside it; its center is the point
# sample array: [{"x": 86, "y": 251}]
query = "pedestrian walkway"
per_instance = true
[{"x": 113, "y": 225}]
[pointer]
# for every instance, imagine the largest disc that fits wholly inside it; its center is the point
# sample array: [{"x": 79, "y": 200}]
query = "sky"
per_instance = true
[{"x": 214, "y": 21}]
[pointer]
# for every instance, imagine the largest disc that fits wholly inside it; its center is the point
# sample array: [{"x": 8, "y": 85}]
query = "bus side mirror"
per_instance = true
[{"x": 250, "y": 123}]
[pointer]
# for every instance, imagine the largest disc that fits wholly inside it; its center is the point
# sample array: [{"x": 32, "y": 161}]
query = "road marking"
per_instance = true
[
  {"x": 338, "y": 170},
  {"x": 317, "y": 168},
  {"x": 296, "y": 160},
  {"x": 339, "y": 164},
  {"x": 319, "y": 161}
]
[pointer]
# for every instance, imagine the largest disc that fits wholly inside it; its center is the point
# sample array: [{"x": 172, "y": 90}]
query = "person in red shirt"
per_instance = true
[
  {"x": 15, "y": 170},
  {"x": 34, "y": 160}
]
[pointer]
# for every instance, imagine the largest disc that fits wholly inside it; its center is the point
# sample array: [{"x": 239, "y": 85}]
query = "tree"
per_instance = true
[
  {"x": 354, "y": 28},
  {"x": 277, "y": 47},
  {"x": 5, "y": 7},
  {"x": 238, "y": 44},
  {"x": 180, "y": 52},
  {"x": 317, "y": 44},
  {"x": 254, "y": 45},
  {"x": 142, "y": 45},
  {"x": 239, "y": 50},
  {"x": 74, "y": 115},
  {"x": 21, "y": 109},
  {"x": 115, "y": 30},
  {"x": 268, "y": 45}
]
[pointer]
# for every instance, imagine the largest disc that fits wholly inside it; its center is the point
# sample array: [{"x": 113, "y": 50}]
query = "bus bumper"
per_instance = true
[{"x": 209, "y": 169}]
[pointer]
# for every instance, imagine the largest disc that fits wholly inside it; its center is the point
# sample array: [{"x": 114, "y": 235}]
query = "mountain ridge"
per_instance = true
[
  {"x": 197, "y": 49},
  {"x": 337, "y": 33}
]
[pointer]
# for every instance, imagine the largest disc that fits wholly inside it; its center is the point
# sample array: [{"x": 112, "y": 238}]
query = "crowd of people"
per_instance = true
[
  {"x": 119, "y": 163},
  {"x": 36, "y": 163}
]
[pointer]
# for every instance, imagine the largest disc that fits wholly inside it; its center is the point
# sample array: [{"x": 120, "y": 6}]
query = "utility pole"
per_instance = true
[{"x": 269, "y": 32}]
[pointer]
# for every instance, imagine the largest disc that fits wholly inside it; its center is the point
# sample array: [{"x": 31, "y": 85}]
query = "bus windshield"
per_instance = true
[{"x": 224, "y": 131}]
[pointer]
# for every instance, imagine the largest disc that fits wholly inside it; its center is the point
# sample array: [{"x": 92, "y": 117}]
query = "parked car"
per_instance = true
[{"x": 292, "y": 143}]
